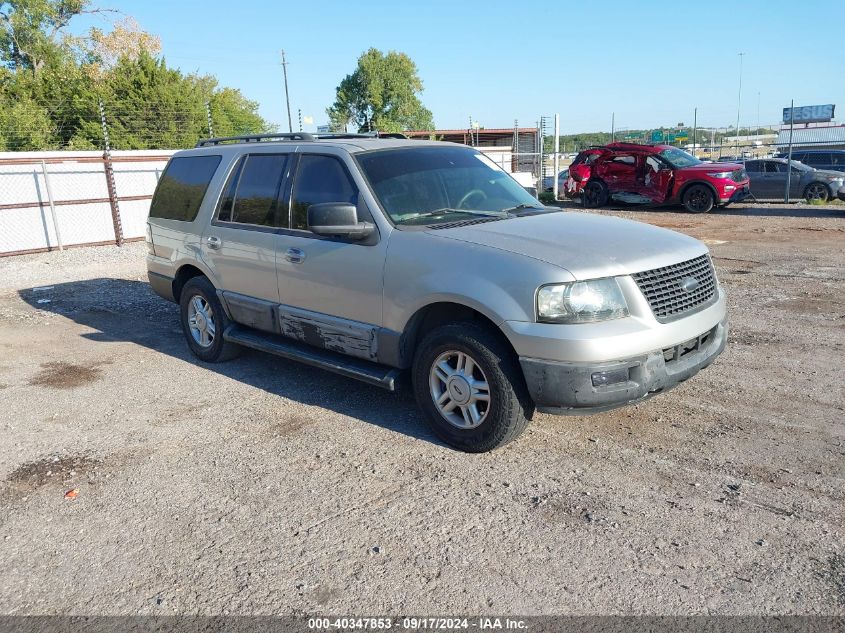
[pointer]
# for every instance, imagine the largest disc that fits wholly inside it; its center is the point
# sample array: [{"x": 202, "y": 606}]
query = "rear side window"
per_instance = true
[
  {"x": 817, "y": 160},
  {"x": 182, "y": 187},
  {"x": 319, "y": 179},
  {"x": 252, "y": 194},
  {"x": 753, "y": 167}
]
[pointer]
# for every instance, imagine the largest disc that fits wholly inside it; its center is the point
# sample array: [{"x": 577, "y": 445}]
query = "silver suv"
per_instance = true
[{"x": 370, "y": 256}]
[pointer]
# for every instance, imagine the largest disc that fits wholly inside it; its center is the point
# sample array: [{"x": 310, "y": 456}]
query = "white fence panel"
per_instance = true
[{"x": 80, "y": 195}]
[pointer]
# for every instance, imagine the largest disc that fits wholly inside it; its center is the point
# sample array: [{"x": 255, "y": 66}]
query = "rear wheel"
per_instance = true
[
  {"x": 470, "y": 387},
  {"x": 698, "y": 199},
  {"x": 595, "y": 194},
  {"x": 204, "y": 321},
  {"x": 816, "y": 191}
]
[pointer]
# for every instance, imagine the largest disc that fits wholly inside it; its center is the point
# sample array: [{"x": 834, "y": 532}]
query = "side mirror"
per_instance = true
[{"x": 339, "y": 219}]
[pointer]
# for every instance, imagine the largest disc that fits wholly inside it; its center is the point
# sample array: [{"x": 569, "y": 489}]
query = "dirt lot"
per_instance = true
[{"x": 261, "y": 486}]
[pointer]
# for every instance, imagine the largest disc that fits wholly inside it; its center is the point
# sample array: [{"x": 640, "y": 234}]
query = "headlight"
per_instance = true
[
  {"x": 581, "y": 302},
  {"x": 720, "y": 174}
]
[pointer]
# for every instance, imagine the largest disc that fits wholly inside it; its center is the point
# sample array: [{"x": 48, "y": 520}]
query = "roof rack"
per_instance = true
[
  {"x": 256, "y": 138},
  {"x": 294, "y": 136},
  {"x": 375, "y": 134}
]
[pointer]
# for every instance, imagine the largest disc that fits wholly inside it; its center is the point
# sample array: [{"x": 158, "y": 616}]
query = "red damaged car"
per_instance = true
[{"x": 656, "y": 174}]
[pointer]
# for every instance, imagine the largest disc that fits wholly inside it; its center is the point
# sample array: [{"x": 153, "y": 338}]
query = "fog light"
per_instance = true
[{"x": 613, "y": 377}]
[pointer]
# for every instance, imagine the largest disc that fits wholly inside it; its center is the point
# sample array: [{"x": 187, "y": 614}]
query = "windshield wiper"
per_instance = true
[
  {"x": 446, "y": 210},
  {"x": 522, "y": 206}
]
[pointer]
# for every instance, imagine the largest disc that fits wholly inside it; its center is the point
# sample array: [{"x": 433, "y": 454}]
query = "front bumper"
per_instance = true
[
  {"x": 738, "y": 195},
  {"x": 571, "y": 388}
]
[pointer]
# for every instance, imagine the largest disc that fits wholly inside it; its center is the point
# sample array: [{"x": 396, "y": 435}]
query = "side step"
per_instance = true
[{"x": 357, "y": 368}]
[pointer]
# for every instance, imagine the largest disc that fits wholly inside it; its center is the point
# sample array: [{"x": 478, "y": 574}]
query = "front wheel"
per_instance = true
[
  {"x": 816, "y": 191},
  {"x": 698, "y": 199},
  {"x": 470, "y": 387}
]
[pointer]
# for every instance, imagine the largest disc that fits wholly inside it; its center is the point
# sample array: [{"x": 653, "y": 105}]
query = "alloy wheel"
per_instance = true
[
  {"x": 459, "y": 389},
  {"x": 201, "y": 321}
]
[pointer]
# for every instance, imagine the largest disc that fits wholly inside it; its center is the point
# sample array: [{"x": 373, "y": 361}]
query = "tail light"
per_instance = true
[{"x": 149, "y": 239}]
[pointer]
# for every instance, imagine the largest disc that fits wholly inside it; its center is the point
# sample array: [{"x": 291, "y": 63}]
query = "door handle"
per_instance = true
[
  {"x": 295, "y": 255},
  {"x": 213, "y": 242}
]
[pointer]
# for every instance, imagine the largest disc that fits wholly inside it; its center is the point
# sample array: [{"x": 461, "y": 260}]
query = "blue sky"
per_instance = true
[{"x": 651, "y": 62}]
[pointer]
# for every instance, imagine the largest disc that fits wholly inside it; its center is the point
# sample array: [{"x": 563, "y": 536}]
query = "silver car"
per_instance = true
[
  {"x": 370, "y": 257},
  {"x": 768, "y": 180}
]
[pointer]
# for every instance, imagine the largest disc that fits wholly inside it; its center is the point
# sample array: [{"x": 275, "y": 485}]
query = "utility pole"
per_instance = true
[
  {"x": 287, "y": 97},
  {"x": 299, "y": 114},
  {"x": 789, "y": 158},
  {"x": 694, "y": 130},
  {"x": 612, "y": 127},
  {"x": 738, "y": 105},
  {"x": 557, "y": 155}
]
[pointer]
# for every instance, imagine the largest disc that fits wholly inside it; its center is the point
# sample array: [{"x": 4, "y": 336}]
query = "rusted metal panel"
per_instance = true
[{"x": 321, "y": 330}]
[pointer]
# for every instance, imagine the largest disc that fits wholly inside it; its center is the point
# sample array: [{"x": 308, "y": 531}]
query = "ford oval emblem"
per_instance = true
[{"x": 688, "y": 284}]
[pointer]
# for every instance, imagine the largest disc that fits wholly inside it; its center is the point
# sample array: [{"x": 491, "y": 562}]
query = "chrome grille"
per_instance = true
[{"x": 662, "y": 287}]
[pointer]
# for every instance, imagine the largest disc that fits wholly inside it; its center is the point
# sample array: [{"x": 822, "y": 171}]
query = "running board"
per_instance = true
[{"x": 357, "y": 368}]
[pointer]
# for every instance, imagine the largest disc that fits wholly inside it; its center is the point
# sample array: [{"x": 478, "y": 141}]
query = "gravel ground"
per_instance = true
[{"x": 262, "y": 486}]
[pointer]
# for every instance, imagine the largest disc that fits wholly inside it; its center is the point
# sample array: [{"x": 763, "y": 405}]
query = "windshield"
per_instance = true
[
  {"x": 800, "y": 166},
  {"x": 679, "y": 158},
  {"x": 421, "y": 185}
]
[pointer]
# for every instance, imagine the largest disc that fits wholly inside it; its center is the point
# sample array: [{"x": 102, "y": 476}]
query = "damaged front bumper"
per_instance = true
[
  {"x": 580, "y": 388},
  {"x": 739, "y": 195}
]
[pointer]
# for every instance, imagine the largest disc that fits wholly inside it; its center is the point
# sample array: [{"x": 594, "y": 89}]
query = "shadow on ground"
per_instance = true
[{"x": 123, "y": 310}]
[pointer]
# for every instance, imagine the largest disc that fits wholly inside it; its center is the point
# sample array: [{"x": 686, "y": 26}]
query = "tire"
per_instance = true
[
  {"x": 816, "y": 191},
  {"x": 508, "y": 407},
  {"x": 198, "y": 293},
  {"x": 698, "y": 199},
  {"x": 595, "y": 194}
]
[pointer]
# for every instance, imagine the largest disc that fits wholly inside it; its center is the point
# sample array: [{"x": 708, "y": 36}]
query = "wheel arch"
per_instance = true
[
  {"x": 692, "y": 183},
  {"x": 432, "y": 316},
  {"x": 184, "y": 274},
  {"x": 830, "y": 192}
]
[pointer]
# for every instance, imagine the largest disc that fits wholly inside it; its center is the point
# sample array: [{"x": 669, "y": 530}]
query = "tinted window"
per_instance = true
[
  {"x": 319, "y": 179},
  {"x": 257, "y": 192},
  {"x": 182, "y": 187},
  {"x": 817, "y": 160},
  {"x": 773, "y": 167},
  {"x": 753, "y": 167},
  {"x": 228, "y": 198}
]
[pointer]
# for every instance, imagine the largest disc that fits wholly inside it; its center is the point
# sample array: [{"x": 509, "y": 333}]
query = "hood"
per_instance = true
[
  {"x": 826, "y": 173},
  {"x": 586, "y": 245}
]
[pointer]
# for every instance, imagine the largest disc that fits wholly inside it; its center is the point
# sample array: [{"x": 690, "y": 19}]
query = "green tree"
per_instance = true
[
  {"x": 33, "y": 31},
  {"x": 51, "y": 85},
  {"x": 381, "y": 94}
]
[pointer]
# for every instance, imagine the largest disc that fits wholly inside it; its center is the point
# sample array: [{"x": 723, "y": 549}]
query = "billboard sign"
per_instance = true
[{"x": 809, "y": 114}]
